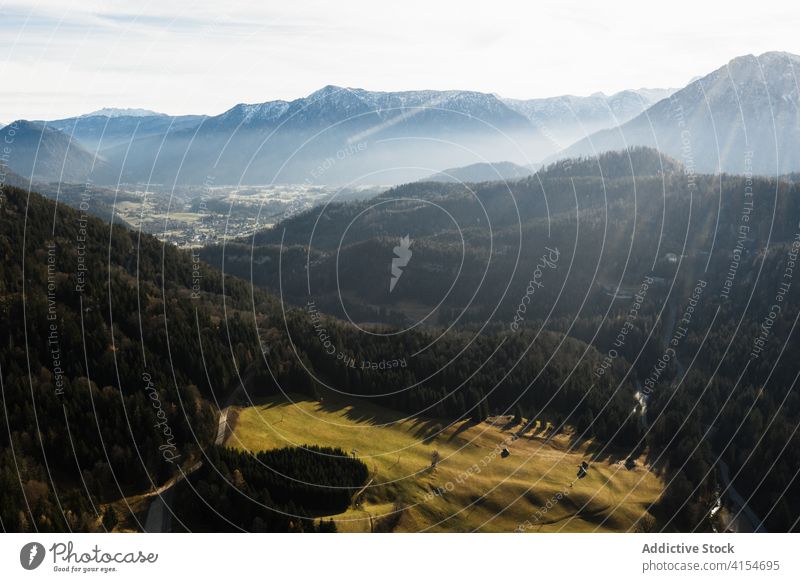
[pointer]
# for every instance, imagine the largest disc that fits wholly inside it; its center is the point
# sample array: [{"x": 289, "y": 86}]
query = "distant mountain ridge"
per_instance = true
[
  {"x": 377, "y": 137},
  {"x": 98, "y": 131},
  {"x": 333, "y": 104},
  {"x": 123, "y": 112}
]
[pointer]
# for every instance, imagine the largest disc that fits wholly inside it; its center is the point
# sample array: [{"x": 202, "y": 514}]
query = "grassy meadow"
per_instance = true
[{"x": 473, "y": 486}]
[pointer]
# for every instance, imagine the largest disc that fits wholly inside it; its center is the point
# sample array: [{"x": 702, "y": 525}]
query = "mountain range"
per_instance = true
[
  {"x": 742, "y": 117},
  {"x": 335, "y": 136}
]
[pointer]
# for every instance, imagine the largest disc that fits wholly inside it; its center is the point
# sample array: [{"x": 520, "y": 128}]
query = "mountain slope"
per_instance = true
[
  {"x": 46, "y": 154},
  {"x": 743, "y": 117},
  {"x": 76, "y": 365},
  {"x": 482, "y": 172},
  {"x": 567, "y": 118},
  {"x": 107, "y": 128},
  {"x": 116, "y": 353},
  {"x": 90, "y": 199}
]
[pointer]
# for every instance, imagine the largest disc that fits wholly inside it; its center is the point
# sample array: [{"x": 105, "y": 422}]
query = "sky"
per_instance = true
[{"x": 62, "y": 57}]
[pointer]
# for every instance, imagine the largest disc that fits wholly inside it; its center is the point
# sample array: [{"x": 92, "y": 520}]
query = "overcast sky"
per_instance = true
[{"x": 61, "y": 57}]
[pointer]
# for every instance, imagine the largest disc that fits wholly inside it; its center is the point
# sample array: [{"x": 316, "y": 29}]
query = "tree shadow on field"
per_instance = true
[
  {"x": 535, "y": 429},
  {"x": 352, "y": 410},
  {"x": 601, "y": 453},
  {"x": 465, "y": 424},
  {"x": 641, "y": 456},
  {"x": 427, "y": 430}
]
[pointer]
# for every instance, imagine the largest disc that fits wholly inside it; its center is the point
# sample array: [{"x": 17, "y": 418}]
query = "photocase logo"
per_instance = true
[
  {"x": 31, "y": 555},
  {"x": 402, "y": 256}
]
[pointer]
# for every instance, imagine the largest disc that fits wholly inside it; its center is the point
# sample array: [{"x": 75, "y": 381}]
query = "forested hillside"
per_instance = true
[
  {"x": 116, "y": 350},
  {"x": 119, "y": 351}
]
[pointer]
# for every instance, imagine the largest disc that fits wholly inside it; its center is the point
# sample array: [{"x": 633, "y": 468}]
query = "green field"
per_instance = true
[{"x": 479, "y": 490}]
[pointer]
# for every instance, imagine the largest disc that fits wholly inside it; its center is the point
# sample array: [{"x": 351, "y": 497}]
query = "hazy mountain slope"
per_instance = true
[
  {"x": 743, "y": 117},
  {"x": 567, "y": 118},
  {"x": 90, "y": 199},
  {"x": 10, "y": 178},
  {"x": 48, "y": 155},
  {"x": 98, "y": 131},
  {"x": 482, "y": 172}
]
